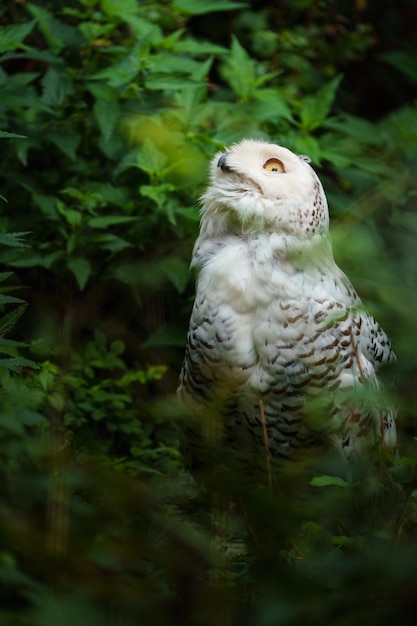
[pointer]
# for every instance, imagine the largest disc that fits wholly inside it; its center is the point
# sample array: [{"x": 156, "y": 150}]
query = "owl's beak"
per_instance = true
[{"x": 222, "y": 162}]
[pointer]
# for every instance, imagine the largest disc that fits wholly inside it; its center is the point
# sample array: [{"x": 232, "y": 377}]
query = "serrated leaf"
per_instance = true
[
  {"x": 11, "y": 37},
  {"x": 15, "y": 364},
  {"x": 328, "y": 481},
  {"x": 14, "y": 240},
  {"x": 239, "y": 71},
  {"x": 8, "y": 321},
  {"x": 81, "y": 268},
  {"x": 11, "y": 343},
  {"x": 37, "y": 55},
  {"x": 196, "y": 7},
  {"x": 315, "y": 109}
]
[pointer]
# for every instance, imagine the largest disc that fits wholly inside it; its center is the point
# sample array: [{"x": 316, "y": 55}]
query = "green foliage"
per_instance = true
[{"x": 110, "y": 112}]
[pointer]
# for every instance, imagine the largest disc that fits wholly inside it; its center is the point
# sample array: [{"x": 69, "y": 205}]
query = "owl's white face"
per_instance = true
[{"x": 256, "y": 186}]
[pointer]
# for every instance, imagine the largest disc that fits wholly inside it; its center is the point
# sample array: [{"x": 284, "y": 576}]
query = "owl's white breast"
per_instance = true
[{"x": 252, "y": 272}]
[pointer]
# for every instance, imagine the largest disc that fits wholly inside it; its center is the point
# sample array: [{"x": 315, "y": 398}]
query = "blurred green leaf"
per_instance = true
[
  {"x": 194, "y": 7},
  {"x": 58, "y": 33},
  {"x": 105, "y": 221},
  {"x": 12, "y": 36},
  {"x": 315, "y": 109},
  {"x": 328, "y": 481},
  {"x": 150, "y": 159},
  {"x": 56, "y": 87},
  {"x": 81, "y": 268}
]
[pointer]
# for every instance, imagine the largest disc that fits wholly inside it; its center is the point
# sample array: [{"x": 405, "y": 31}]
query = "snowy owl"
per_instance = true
[{"x": 279, "y": 348}]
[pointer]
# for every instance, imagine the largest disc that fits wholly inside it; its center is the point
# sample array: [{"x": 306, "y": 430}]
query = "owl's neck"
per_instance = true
[
  {"x": 267, "y": 247},
  {"x": 224, "y": 222}
]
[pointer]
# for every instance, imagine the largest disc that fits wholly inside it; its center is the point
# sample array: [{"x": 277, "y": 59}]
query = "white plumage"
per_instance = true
[{"x": 279, "y": 344}]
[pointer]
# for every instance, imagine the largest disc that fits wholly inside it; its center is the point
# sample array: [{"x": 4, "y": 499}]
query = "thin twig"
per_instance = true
[{"x": 266, "y": 443}]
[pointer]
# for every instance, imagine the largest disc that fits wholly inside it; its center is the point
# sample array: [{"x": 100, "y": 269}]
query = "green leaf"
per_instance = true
[
  {"x": 14, "y": 240},
  {"x": 146, "y": 33},
  {"x": 358, "y": 128},
  {"x": 171, "y": 83},
  {"x": 403, "y": 62},
  {"x": 9, "y": 345},
  {"x": 150, "y": 159},
  {"x": 9, "y": 299},
  {"x": 32, "y": 418},
  {"x": 15, "y": 364},
  {"x": 328, "y": 481},
  {"x": 120, "y": 7},
  {"x": 157, "y": 193},
  {"x": 105, "y": 221},
  {"x": 58, "y": 34},
  {"x": 47, "y": 204},
  {"x": 37, "y": 55},
  {"x": 177, "y": 271},
  {"x": 192, "y": 46},
  {"x": 8, "y": 321},
  {"x": 81, "y": 268},
  {"x": 73, "y": 217},
  {"x": 315, "y": 109},
  {"x": 107, "y": 114},
  {"x": 196, "y": 7},
  {"x": 56, "y": 87},
  {"x": 309, "y": 146},
  {"x": 66, "y": 141},
  {"x": 107, "y": 241},
  {"x": 270, "y": 105},
  {"x": 239, "y": 71},
  {"x": 11, "y": 37},
  {"x": 4, "y": 134},
  {"x": 166, "y": 335},
  {"x": 124, "y": 71}
]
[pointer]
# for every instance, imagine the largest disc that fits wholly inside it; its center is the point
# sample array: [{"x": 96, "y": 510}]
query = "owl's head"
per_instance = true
[{"x": 256, "y": 187}]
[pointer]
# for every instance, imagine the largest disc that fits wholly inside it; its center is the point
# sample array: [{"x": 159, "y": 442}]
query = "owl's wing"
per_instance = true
[{"x": 372, "y": 341}]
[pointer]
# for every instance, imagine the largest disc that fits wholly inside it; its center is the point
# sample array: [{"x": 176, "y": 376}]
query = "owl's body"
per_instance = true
[{"x": 278, "y": 339}]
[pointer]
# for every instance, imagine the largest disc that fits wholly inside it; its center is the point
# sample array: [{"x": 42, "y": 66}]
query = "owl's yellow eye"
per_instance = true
[{"x": 274, "y": 165}]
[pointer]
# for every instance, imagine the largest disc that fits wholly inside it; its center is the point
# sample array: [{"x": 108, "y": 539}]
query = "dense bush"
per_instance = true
[{"x": 110, "y": 112}]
